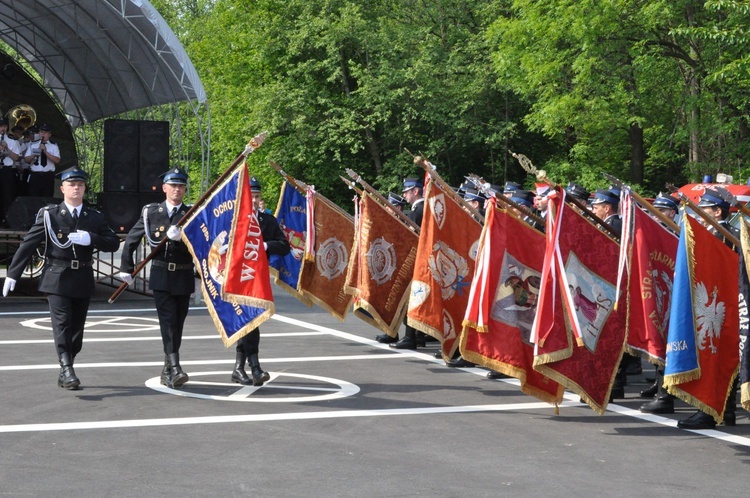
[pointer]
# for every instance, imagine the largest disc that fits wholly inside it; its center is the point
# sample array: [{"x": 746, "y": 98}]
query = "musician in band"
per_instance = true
[
  {"x": 43, "y": 155},
  {"x": 10, "y": 153}
]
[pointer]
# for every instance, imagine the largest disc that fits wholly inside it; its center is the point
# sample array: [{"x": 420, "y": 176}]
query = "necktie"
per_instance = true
[
  {"x": 75, "y": 218},
  {"x": 171, "y": 214}
]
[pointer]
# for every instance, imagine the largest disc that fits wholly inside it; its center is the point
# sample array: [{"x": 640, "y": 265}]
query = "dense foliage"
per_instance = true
[{"x": 650, "y": 90}]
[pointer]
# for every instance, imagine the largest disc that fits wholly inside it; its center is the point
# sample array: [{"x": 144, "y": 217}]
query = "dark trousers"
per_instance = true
[
  {"x": 172, "y": 311},
  {"x": 42, "y": 184},
  {"x": 249, "y": 344},
  {"x": 68, "y": 316},
  {"x": 8, "y": 188}
]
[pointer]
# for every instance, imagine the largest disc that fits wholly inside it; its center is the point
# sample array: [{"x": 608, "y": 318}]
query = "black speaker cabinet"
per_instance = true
[
  {"x": 121, "y": 155},
  {"x": 122, "y": 209},
  {"x": 154, "y": 154},
  {"x": 22, "y": 212}
]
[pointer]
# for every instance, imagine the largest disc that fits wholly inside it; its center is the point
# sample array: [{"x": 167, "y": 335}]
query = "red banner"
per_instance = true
[
  {"x": 446, "y": 255},
  {"x": 247, "y": 280},
  {"x": 386, "y": 257},
  {"x": 703, "y": 347},
  {"x": 652, "y": 260},
  {"x": 322, "y": 280},
  {"x": 503, "y": 302},
  {"x": 580, "y": 282}
]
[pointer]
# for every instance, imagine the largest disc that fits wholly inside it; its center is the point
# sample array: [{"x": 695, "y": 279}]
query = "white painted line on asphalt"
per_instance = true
[
  {"x": 299, "y": 359},
  {"x": 224, "y": 419},
  {"x": 264, "y": 335}
]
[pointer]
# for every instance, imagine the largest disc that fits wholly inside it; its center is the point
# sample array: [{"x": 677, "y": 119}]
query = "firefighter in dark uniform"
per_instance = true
[
  {"x": 172, "y": 274},
  {"x": 413, "y": 193},
  {"x": 275, "y": 242},
  {"x": 71, "y": 231}
]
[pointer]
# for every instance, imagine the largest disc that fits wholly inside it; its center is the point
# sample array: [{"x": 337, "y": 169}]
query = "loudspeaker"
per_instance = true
[
  {"x": 22, "y": 212},
  {"x": 121, "y": 155},
  {"x": 122, "y": 209},
  {"x": 154, "y": 154}
]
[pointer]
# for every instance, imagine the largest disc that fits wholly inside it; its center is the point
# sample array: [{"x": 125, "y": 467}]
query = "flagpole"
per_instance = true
[
  {"x": 541, "y": 176},
  {"x": 425, "y": 164},
  {"x": 480, "y": 184},
  {"x": 646, "y": 205},
  {"x": 709, "y": 219},
  {"x": 379, "y": 197},
  {"x": 299, "y": 185},
  {"x": 254, "y": 143}
]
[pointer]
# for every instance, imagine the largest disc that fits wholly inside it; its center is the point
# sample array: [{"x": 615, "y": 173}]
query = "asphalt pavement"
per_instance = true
[{"x": 341, "y": 416}]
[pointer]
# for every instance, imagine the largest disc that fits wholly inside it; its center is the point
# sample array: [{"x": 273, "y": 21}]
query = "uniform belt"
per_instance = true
[
  {"x": 172, "y": 266},
  {"x": 73, "y": 264}
]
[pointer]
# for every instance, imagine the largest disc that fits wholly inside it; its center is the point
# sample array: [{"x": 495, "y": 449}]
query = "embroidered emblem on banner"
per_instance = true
[
  {"x": 474, "y": 250},
  {"x": 438, "y": 209},
  {"x": 662, "y": 295},
  {"x": 332, "y": 258},
  {"x": 709, "y": 316},
  {"x": 381, "y": 260},
  {"x": 593, "y": 299},
  {"x": 420, "y": 291},
  {"x": 449, "y": 269},
  {"x": 217, "y": 257},
  {"x": 516, "y": 296},
  {"x": 449, "y": 330}
]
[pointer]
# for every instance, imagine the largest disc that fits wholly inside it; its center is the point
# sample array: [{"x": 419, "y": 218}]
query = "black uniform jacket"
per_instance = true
[
  {"x": 179, "y": 278},
  {"x": 272, "y": 235},
  {"x": 60, "y": 275},
  {"x": 416, "y": 213}
]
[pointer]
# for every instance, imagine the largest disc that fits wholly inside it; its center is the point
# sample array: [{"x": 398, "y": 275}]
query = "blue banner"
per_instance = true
[
  {"x": 207, "y": 236},
  {"x": 291, "y": 214},
  {"x": 682, "y": 357}
]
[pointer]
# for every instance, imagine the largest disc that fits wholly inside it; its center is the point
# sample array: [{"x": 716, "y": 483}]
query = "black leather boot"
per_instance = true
[
  {"x": 239, "y": 375},
  {"x": 653, "y": 389},
  {"x": 67, "y": 378},
  {"x": 179, "y": 378},
  {"x": 386, "y": 339},
  {"x": 696, "y": 421},
  {"x": 618, "y": 386},
  {"x": 166, "y": 373},
  {"x": 730, "y": 417},
  {"x": 664, "y": 402},
  {"x": 259, "y": 376}
]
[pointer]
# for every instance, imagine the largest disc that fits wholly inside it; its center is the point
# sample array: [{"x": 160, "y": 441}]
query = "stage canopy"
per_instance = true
[{"x": 100, "y": 58}]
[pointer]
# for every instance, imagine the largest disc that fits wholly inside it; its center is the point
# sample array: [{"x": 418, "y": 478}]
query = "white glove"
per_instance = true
[
  {"x": 265, "y": 246},
  {"x": 80, "y": 237},
  {"x": 8, "y": 286},
  {"x": 126, "y": 277},
  {"x": 174, "y": 233}
]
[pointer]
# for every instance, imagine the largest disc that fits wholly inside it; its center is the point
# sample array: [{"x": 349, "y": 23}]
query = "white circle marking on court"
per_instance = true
[{"x": 244, "y": 394}]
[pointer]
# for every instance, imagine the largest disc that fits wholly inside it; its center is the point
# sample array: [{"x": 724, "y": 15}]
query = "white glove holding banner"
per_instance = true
[
  {"x": 174, "y": 233},
  {"x": 8, "y": 286},
  {"x": 80, "y": 237},
  {"x": 126, "y": 277}
]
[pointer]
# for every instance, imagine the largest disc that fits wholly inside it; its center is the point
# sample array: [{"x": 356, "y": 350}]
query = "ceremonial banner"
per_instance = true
[
  {"x": 322, "y": 280},
  {"x": 583, "y": 275},
  {"x": 206, "y": 234},
  {"x": 743, "y": 314},
  {"x": 502, "y": 303},
  {"x": 703, "y": 339},
  {"x": 387, "y": 254},
  {"x": 291, "y": 213},
  {"x": 652, "y": 259},
  {"x": 447, "y": 252},
  {"x": 247, "y": 279},
  {"x": 352, "y": 269}
]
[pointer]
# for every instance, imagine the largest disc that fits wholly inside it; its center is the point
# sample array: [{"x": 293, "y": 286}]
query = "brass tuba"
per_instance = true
[{"x": 22, "y": 115}]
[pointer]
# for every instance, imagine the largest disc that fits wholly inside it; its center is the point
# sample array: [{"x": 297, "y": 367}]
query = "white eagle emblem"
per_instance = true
[{"x": 709, "y": 316}]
